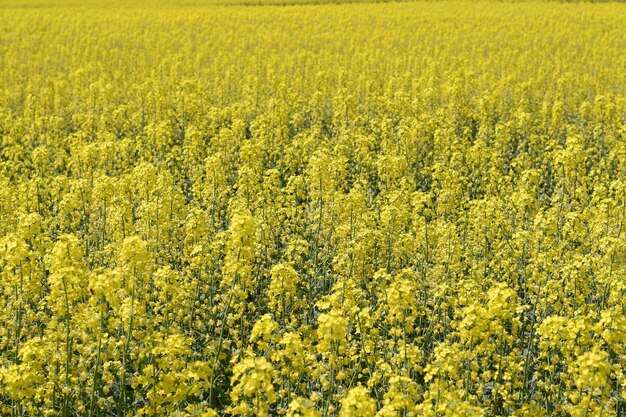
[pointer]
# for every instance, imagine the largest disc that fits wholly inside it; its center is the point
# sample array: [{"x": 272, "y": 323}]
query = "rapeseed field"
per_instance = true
[{"x": 262, "y": 208}]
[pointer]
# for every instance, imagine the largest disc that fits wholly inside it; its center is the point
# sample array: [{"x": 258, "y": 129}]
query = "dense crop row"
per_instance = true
[{"x": 409, "y": 209}]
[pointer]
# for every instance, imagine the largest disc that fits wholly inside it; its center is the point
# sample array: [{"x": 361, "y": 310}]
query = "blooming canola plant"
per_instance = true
[{"x": 354, "y": 209}]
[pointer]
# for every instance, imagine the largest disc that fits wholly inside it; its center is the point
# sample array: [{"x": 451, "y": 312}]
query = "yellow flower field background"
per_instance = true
[{"x": 361, "y": 209}]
